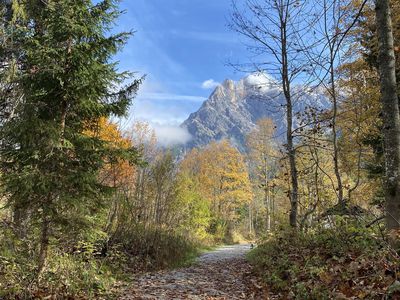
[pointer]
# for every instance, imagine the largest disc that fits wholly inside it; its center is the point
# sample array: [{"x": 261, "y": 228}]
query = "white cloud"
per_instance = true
[
  {"x": 261, "y": 81},
  {"x": 161, "y": 113},
  {"x": 171, "y": 135},
  {"x": 155, "y": 105},
  {"x": 209, "y": 84}
]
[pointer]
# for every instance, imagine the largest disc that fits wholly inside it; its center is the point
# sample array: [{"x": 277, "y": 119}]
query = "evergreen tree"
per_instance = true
[
  {"x": 50, "y": 164},
  {"x": 11, "y": 32}
]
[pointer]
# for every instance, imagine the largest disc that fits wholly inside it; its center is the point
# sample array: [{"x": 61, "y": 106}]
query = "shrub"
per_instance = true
[
  {"x": 66, "y": 275},
  {"x": 152, "y": 248},
  {"x": 347, "y": 261}
]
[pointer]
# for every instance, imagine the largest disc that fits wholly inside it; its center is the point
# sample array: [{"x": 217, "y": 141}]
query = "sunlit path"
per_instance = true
[{"x": 220, "y": 274}]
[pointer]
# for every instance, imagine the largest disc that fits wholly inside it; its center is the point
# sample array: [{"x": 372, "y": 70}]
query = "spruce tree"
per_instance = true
[
  {"x": 50, "y": 164},
  {"x": 11, "y": 31}
]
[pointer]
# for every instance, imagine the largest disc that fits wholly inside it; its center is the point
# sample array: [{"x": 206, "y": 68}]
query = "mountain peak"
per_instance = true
[
  {"x": 233, "y": 109},
  {"x": 228, "y": 84},
  {"x": 224, "y": 92}
]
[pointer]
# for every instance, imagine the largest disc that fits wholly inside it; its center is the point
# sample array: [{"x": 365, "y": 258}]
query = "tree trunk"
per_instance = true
[
  {"x": 341, "y": 201},
  {"x": 293, "y": 168},
  {"x": 44, "y": 245},
  {"x": 289, "y": 119},
  {"x": 19, "y": 219},
  {"x": 272, "y": 210},
  {"x": 267, "y": 206},
  {"x": 390, "y": 110},
  {"x": 250, "y": 219}
]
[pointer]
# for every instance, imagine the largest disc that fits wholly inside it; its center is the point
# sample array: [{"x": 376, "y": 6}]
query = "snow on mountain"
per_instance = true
[{"x": 233, "y": 109}]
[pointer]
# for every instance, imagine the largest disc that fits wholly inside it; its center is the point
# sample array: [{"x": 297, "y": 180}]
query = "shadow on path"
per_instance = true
[{"x": 220, "y": 274}]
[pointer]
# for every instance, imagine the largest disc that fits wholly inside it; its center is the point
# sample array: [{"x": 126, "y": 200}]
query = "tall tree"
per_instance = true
[
  {"x": 273, "y": 28},
  {"x": 11, "y": 32},
  {"x": 327, "y": 47},
  {"x": 50, "y": 165},
  {"x": 262, "y": 155},
  {"x": 390, "y": 110},
  {"x": 223, "y": 180}
]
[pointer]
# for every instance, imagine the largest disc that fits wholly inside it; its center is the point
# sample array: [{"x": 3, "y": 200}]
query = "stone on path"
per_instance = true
[{"x": 216, "y": 275}]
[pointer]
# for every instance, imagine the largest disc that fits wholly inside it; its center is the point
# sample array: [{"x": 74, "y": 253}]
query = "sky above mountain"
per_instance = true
[{"x": 184, "y": 48}]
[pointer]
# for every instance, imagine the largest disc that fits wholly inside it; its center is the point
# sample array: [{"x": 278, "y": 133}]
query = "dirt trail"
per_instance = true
[{"x": 220, "y": 274}]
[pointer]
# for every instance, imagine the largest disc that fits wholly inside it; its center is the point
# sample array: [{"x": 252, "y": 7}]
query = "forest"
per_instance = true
[{"x": 86, "y": 204}]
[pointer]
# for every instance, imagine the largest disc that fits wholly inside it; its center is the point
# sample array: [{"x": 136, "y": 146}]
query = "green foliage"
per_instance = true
[
  {"x": 58, "y": 81},
  {"x": 79, "y": 215},
  {"x": 68, "y": 273},
  {"x": 194, "y": 209},
  {"x": 50, "y": 164}
]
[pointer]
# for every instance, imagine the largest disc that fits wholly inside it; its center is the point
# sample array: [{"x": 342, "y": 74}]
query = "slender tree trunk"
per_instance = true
[
  {"x": 62, "y": 121},
  {"x": 44, "y": 245},
  {"x": 266, "y": 199},
  {"x": 250, "y": 219},
  {"x": 267, "y": 206},
  {"x": 289, "y": 119},
  {"x": 390, "y": 110},
  {"x": 19, "y": 219},
  {"x": 112, "y": 215},
  {"x": 64, "y": 102},
  {"x": 143, "y": 213},
  {"x": 292, "y": 162},
  {"x": 272, "y": 210},
  {"x": 334, "y": 132}
]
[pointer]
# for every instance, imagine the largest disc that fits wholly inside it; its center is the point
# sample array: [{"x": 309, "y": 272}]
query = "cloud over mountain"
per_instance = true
[
  {"x": 233, "y": 108},
  {"x": 209, "y": 84},
  {"x": 170, "y": 135}
]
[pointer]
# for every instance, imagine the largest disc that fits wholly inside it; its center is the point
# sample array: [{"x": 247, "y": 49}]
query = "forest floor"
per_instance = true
[{"x": 220, "y": 274}]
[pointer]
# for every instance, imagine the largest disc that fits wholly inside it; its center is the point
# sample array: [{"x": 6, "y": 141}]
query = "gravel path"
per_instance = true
[{"x": 220, "y": 274}]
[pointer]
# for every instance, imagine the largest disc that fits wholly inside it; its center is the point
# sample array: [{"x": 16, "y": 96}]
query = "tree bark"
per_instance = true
[
  {"x": 289, "y": 119},
  {"x": 19, "y": 219},
  {"x": 341, "y": 201},
  {"x": 267, "y": 206},
  {"x": 251, "y": 219},
  {"x": 390, "y": 110},
  {"x": 273, "y": 26},
  {"x": 272, "y": 202},
  {"x": 292, "y": 154},
  {"x": 44, "y": 245}
]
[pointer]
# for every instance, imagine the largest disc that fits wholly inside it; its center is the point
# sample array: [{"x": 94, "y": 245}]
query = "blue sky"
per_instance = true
[{"x": 183, "y": 47}]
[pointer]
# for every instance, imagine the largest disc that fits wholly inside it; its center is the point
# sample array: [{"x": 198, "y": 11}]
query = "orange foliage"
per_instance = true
[{"x": 120, "y": 173}]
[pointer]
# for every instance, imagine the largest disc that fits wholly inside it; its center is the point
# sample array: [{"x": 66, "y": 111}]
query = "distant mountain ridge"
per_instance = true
[{"x": 233, "y": 109}]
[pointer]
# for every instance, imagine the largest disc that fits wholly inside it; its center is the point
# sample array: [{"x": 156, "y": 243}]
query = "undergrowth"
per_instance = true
[
  {"x": 345, "y": 262},
  {"x": 66, "y": 276},
  {"x": 89, "y": 270},
  {"x": 152, "y": 249}
]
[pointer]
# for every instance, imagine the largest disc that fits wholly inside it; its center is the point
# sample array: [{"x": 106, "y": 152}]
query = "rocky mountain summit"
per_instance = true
[{"x": 233, "y": 109}]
